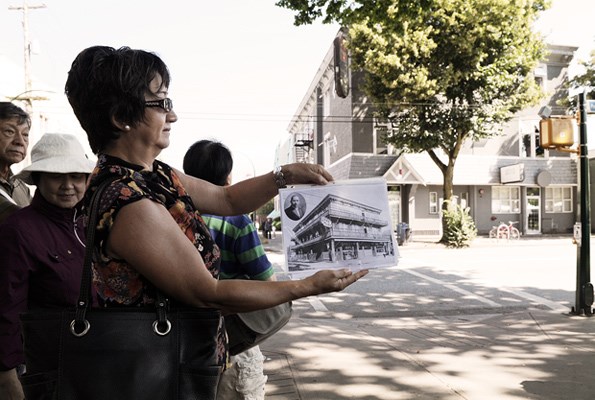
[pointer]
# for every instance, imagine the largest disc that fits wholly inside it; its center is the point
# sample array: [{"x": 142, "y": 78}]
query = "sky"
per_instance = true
[{"x": 240, "y": 68}]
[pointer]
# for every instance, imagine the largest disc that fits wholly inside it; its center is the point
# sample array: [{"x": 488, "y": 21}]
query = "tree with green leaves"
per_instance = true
[
  {"x": 584, "y": 80},
  {"x": 441, "y": 71}
]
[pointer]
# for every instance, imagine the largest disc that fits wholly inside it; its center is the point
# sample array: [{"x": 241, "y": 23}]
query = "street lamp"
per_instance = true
[{"x": 247, "y": 157}]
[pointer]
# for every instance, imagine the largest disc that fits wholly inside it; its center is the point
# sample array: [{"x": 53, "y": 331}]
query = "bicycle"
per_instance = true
[
  {"x": 505, "y": 231},
  {"x": 514, "y": 232}
]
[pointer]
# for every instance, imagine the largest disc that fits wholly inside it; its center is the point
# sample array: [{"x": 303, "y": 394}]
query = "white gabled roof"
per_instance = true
[{"x": 478, "y": 170}]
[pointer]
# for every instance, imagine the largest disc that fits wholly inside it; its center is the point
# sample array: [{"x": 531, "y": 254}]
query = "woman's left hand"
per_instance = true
[
  {"x": 301, "y": 173},
  {"x": 326, "y": 281}
]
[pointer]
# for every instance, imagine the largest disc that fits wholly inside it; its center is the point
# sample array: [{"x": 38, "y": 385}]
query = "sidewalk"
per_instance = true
[{"x": 530, "y": 354}]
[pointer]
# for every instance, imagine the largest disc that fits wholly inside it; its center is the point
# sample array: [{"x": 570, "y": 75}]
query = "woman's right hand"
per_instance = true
[
  {"x": 303, "y": 173},
  {"x": 326, "y": 281}
]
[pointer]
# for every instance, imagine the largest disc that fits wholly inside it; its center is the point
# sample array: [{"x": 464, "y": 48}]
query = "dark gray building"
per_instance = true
[{"x": 504, "y": 178}]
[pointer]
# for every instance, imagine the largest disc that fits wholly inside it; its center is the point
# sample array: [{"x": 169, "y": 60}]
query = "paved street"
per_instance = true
[
  {"x": 488, "y": 322},
  {"x": 490, "y": 276}
]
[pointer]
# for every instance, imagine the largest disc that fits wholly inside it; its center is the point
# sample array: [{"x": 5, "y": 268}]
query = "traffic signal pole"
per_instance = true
[{"x": 584, "y": 287}]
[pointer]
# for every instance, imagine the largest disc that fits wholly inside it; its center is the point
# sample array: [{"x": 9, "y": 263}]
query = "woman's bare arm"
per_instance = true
[
  {"x": 248, "y": 195},
  {"x": 145, "y": 235}
]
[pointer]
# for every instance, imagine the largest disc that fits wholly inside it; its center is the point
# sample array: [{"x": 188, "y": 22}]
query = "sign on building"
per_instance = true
[{"x": 512, "y": 173}]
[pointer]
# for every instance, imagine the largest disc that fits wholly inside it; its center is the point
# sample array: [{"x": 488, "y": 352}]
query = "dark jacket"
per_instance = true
[
  {"x": 17, "y": 190},
  {"x": 41, "y": 261}
]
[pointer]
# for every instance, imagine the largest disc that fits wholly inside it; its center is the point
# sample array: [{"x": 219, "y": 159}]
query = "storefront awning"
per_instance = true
[{"x": 274, "y": 214}]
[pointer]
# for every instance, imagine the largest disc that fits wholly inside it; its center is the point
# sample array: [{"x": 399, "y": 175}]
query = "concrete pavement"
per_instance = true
[{"x": 527, "y": 354}]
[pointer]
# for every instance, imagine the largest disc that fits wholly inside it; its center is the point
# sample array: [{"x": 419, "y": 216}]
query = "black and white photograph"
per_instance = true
[{"x": 344, "y": 224}]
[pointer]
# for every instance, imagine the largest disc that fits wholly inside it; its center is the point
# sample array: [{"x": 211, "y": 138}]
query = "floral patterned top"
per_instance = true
[{"x": 117, "y": 283}]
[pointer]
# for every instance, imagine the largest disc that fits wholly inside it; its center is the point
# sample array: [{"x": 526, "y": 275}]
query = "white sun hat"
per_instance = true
[{"x": 58, "y": 153}]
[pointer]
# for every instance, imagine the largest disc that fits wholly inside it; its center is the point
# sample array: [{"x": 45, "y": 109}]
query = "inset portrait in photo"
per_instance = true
[{"x": 295, "y": 206}]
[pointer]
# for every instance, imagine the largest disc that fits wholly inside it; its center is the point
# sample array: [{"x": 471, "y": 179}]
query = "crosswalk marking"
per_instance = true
[
  {"x": 457, "y": 289},
  {"x": 555, "y": 306},
  {"x": 317, "y": 304}
]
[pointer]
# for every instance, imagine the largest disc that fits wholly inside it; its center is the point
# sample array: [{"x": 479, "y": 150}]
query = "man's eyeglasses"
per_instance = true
[{"x": 167, "y": 104}]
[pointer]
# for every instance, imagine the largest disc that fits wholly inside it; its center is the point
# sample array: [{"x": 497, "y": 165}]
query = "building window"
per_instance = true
[
  {"x": 558, "y": 200},
  {"x": 327, "y": 148},
  {"x": 506, "y": 200},
  {"x": 531, "y": 146},
  {"x": 394, "y": 204},
  {"x": 326, "y": 104},
  {"x": 433, "y": 202},
  {"x": 380, "y": 133},
  {"x": 465, "y": 199},
  {"x": 540, "y": 74}
]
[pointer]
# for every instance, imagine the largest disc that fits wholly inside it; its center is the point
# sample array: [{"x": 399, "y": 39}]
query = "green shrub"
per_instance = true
[
  {"x": 459, "y": 227},
  {"x": 277, "y": 224}
]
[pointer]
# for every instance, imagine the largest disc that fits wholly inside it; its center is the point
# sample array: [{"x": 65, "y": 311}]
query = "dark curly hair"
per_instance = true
[
  {"x": 209, "y": 160},
  {"x": 105, "y": 83}
]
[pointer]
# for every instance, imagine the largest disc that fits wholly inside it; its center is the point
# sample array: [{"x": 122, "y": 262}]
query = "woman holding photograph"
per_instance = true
[{"x": 151, "y": 234}]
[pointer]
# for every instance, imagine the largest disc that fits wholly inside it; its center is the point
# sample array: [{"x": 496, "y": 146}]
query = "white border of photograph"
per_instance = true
[{"x": 345, "y": 224}]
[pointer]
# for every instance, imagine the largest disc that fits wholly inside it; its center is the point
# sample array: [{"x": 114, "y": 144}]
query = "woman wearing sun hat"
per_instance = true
[{"x": 41, "y": 246}]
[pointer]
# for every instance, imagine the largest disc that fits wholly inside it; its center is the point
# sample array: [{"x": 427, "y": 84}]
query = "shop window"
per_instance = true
[
  {"x": 558, "y": 199},
  {"x": 433, "y": 202},
  {"x": 465, "y": 199},
  {"x": 506, "y": 200},
  {"x": 394, "y": 204}
]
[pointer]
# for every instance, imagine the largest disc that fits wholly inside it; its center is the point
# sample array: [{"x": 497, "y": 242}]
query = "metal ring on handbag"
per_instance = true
[
  {"x": 84, "y": 332},
  {"x": 156, "y": 328}
]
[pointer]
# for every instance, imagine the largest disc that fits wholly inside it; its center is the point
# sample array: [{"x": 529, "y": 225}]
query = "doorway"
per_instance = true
[
  {"x": 533, "y": 211},
  {"x": 394, "y": 205}
]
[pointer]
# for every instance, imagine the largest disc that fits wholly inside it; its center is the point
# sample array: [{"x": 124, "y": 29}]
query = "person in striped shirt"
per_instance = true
[{"x": 242, "y": 257}]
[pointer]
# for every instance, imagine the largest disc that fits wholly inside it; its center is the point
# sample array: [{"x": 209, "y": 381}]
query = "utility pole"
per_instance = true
[{"x": 27, "y": 48}]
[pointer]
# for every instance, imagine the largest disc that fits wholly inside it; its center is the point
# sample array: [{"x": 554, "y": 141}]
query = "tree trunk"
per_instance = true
[{"x": 448, "y": 175}]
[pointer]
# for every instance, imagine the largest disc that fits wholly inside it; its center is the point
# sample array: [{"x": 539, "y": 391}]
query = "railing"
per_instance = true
[
  {"x": 355, "y": 217},
  {"x": 337, "y": 233}
]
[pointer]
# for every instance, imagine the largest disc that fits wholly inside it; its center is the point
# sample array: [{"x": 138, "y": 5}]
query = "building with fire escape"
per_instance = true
[
  {"x": 340, "y": 229},
  {"x": 503, "y": 178}
]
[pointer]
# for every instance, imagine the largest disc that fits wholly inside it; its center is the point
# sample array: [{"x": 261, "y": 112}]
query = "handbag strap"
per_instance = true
[
  {"x": 84, "y": 300},
  {"x": 80, "y": 326}
]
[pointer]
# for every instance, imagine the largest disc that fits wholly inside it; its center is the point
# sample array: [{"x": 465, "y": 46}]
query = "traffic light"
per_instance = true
[{"x": 557, "y": 132}]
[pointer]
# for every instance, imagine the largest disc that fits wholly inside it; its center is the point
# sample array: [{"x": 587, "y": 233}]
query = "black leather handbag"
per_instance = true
[{"x": 157, "y": 352}]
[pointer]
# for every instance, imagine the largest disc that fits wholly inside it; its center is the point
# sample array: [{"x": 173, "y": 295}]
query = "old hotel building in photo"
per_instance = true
[{"x": 339, "y": 229}]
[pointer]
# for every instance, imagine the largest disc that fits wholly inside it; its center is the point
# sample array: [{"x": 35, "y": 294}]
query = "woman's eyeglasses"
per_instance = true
[{"x": 166, "y": 104}]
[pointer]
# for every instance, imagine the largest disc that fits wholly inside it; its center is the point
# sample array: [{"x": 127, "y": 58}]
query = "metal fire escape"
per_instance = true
[{"x": 304, "y": 144}]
